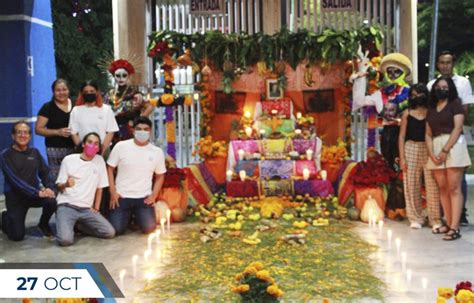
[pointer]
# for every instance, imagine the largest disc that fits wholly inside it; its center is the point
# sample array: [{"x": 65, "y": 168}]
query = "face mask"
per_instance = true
[
  {"x": 441, "y": 93},
  {"x": 418, "y": 100},
  {"x": 90, "y": 150},
  {"x": 142, "y": 135},
  {"x": 89, "y": 98}
]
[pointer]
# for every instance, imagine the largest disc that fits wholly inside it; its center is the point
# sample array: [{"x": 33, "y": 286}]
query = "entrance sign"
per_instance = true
[
  {"x": 338, "y": 5},
  {"x": 206, "y": 7}
]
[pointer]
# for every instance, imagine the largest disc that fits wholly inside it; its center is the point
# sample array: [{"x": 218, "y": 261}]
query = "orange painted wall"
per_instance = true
[{"x": 329, "y": 126}]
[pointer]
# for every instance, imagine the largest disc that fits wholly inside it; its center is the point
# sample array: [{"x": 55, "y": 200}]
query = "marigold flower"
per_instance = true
[
  {"x": 250, "y": 270},
  {"x": 243, "y": 288},
  {"x": 238, "y": 276},
  {"x": 264, "y": 275},
  {"x": 258, "y": 265}
]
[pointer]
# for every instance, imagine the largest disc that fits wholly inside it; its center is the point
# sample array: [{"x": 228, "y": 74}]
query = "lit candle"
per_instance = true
[
  {"x": 122, "y": 274},
  {"x": 409, "y": 274},
  {"x": 424, "y": 283},
  {"x": 176, "y": 75},
  {"x": 150, "y": 240},
  {"x": 323, "y": 174},
  {"x": 298, "y": 115},
  {"x": 157, "y": 236},
  {"x": 148, "y": 96},
  {"x": 189, "y": 75},
  {"x": 146, "y": 255},
  {"x": 371, "y": 211},
  {"x": 389, "y": 238},
  {"x": 168, "y": 218},
  {"x": 309, "y": 154},
  {"x": 247, "y": 114},
  {"x": 242, "y": 175},
  {"x": 196, "y": 96},
  {"x": 134, "y": 265},
  {"x": 241, "y": 154},
  {"x": 398, "y": 243},
  {"x": 262, "y": 133},
  {"x": 306, "y": 174},
  {"x": 149, "y": 275},
  {"x": 158, "y": 254},
  {"x": 162, "y": 223},
  {"x": 248, "y": 131},
  {"x": 274, "y": 112},
  {"x": 229, "y": 174},
  {"x": 404, "y": 261},
  {"x": 297, "y": 131},
  {"x": 182, "y": 76}
]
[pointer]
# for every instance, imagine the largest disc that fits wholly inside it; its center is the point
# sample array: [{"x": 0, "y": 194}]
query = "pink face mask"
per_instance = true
[{"x": 90, "y": 150}]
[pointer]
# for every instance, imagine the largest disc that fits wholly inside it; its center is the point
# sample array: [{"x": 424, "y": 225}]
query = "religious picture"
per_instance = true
[
  {"x": 230, "y": 103},
  {"x": 319, "y": 101},
  {"x": 273, "y": 89}
]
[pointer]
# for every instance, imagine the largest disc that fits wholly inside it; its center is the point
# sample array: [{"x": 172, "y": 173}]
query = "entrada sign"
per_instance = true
[
  {"x": 337, "y": 5},
  {"x": 206, "y": 7}
]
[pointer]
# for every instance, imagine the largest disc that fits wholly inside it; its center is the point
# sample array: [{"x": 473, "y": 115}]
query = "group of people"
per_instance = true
[
  {"x": 91, "y": 146},
  {"x": 423, "y": 136}
]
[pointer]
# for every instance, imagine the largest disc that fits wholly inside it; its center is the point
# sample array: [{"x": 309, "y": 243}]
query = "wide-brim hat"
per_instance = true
[{"x": 397, "y": 60}]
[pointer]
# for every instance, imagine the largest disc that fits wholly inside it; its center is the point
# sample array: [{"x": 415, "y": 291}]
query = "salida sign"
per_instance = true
[
  {"x": 337, "y": 5},
  {"x": 206, "y": 7}
]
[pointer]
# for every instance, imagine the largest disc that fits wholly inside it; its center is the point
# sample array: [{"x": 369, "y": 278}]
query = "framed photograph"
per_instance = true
[
  {"x": 319, "y": 101},
  {"x": 229, "y": 103},
  {"x": 273, "y": 89}
]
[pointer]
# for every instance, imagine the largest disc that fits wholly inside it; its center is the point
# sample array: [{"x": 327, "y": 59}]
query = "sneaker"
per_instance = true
[
  {"x": 46, "y": 230},
  {"x": 415, "y": 225},
  {"x": 464, "y": 221}
]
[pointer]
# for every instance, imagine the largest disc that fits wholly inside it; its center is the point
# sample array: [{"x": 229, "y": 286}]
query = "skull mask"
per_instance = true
[{"x": 121, "y": 76}]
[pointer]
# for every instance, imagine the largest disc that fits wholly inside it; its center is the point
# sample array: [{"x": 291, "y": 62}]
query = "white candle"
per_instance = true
[
  {"x": 323, "y": 174},
  {"x": 176, "y": 75},
  {"x": 122, "y": 274},
  {"x": 242, "y": 175},
  {"x": 309, "y": 154},
  {"x": 389, "y": 238},
  {"x": 398, "y": 243},
  {"x": 149, "y": 275},
  {"x": 189, "y": 75},
  {"x": 150, "y": 240},
  {"x": 134, "y": 265},
  {"x": 306, "y": 174},
  {"x": 297, "y": 131},
  {"x": 248, "y": 131},
  {"x": 371, "y": 211},
  {"x": 182, "y": 76},
  {"x": 298, "y": 115},
  {"x": 404, "y": 261},
  {"x": 424, "y": 283},
  {"x": 168, "y": 218},
  {"x": 229, "y": 174},
  {"x": 262, "y": 133},
  {"x": 146, "y": 255},
  {"x": 162, "y": 223},
  {"x": 157, "y": 236},
  {"x": 158, "y": 254},
  {"x": 247, "y": 114},
  {"x": 274, "y": 112},
  {"x": 241, "y": 154},
  {"x": 409, "y": 274},
  {"x": 196, "y": 96}
]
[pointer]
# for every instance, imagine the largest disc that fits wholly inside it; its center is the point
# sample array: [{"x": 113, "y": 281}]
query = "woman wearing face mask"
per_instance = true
[
  {"x": 413, "y": 157},
  {"x": 80, "y": 182},
  {"x": 52, "y": 123},
  {"x": 447, "y": 149},
  {"x": 91, "y": 115}
]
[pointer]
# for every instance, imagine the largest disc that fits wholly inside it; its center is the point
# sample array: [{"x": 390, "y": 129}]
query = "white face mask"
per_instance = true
[
  {"x": 142, "y": 136},
  {"x": 121, "y": 76}
]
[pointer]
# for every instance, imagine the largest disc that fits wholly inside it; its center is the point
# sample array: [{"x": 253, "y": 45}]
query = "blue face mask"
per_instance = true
[{"x": 142, "y": 136}]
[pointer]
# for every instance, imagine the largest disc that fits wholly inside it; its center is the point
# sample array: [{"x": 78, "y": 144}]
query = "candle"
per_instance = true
[
  {"x": 389, "y": 238},
  {"x": 274, "y": 112},
  {"x": 306, "y": 174},
  {"x": 323, "y": 174},
  {"x": 229, "y": 174},
  {"x": 297, "y": 131},
  {"x": 157, "y": 236},
  {"x": 248, "y": 131},
  {"x": 146, "y": 255},
  {"x": 196, "y": 96},
  {"x": 298, "y": 115},
  {"x": 122, "y": 274},
  {"x": 162, "y": 223},
  {"x": 404, "y": 261},
  {"x": 149, "y": 275},
  {"x": 158, "y": 254},
  {"x": 176, "y": 75},
  {"x": 241, "y": 154},
  {"x": 409, "y": 274},
  {"x": 247, "y": 114},
  {"x": 242, "y": 175},
  {"x": 309, "y": 154},
  {"x": 150, "y": 240},
  {"x": 262, "y": 133},
  {"x": 371, "y": 211},
  {"x": 424, "y": 283},
  {"x": 148, "y": 96},
  {"x": 168, "y": 218},
  {"x": 134, "y": 265},
  {"x": 189, "y": 75},
  {"x": 182, "y": 76},
  {"x": 398, "y": 243},
  {"x": 158, "y": 75}
]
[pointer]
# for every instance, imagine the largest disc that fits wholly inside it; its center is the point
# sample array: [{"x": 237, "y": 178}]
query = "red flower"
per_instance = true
[
  {"x": 121, "y": 63},
  {"x": 463, "y": 285}
]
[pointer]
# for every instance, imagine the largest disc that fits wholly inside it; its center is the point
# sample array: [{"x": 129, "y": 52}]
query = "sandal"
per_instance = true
[
  {"x": 440, "y": 230},
  {"x": 452, "y": 234}
]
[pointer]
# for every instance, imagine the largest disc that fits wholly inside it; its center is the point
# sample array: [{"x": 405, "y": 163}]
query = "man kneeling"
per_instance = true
[{"x": 80, "y": 182}]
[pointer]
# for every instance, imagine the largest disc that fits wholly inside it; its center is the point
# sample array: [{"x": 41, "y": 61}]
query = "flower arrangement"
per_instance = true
[
  {"x": 373, "y": 172},
  {"x": 334, "y": 154},
  {"x": 255, "y": 284},
  {"x": 205, "y": 148},
  {"x": 462, "y": 294},
  {"x": 174, "y": 178},
  {"x": 305, "y": 120}
]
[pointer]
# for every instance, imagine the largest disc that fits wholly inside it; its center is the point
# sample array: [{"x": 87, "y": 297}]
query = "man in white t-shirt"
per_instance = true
[
  {"x": 140, "y": 174},
  {"x": 445, "y": 65},
  {"x": 80, "y": 182}
]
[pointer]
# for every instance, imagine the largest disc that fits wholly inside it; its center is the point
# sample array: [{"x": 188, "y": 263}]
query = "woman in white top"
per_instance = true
[{"x": 91, "y": 115}]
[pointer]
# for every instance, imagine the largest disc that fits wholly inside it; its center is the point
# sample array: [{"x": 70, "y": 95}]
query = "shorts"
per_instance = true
[{"x": 458, "y": 155}]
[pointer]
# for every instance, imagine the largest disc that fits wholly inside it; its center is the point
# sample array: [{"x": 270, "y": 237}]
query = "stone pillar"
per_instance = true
[
  {"x": 409, "y": 34},
  {"x": 131, "y": 29},
  {"x": 271, "y": 11}
]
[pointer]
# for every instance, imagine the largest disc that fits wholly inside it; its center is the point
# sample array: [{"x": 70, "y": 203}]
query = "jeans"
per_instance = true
[
  {"x": 144, "y": 215},
  {"x": 17, "y": 207},
  {"x": 89, "y": 222}
]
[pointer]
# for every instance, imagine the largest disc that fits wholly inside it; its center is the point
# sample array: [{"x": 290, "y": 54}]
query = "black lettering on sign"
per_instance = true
[
  {"x": 344, "y": 4},
  {"x": 205, "y": 5}
]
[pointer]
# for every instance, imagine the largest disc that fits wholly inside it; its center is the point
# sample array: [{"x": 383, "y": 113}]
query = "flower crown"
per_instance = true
[{"x": 121, "y": 63}]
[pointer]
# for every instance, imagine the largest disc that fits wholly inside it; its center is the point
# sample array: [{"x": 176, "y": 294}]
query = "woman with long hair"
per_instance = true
[{"x": 447, "y": 149}]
